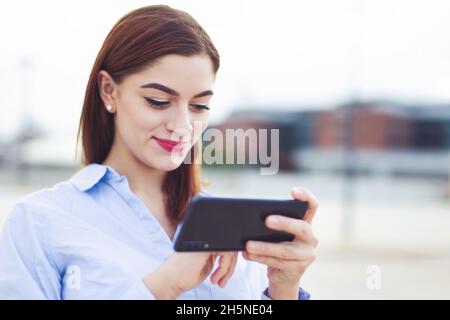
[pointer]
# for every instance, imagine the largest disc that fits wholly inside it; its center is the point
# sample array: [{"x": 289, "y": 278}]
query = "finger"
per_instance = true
[
  {"x": 301, "y": 230},
  {"x": 304, "y": 194},
  {"x": 207, "y": 266},
  {"x": 224, "y": 263},
  {"x": 283, "y": 250},
  {"x": 224, "y": 280},
  {"x": 271, "y": 261},
  {"x": 285, "y": 265}
]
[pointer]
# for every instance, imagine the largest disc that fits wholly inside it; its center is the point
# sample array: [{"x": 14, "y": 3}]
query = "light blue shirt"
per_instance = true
[{"x": 92, "y": 238}]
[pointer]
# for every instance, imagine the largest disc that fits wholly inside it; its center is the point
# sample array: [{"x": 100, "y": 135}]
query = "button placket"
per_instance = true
[{"x": 147, "y": 218}]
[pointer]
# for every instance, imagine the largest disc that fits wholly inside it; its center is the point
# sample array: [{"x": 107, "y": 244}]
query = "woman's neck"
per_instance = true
[{"x": 143, "y": 180}]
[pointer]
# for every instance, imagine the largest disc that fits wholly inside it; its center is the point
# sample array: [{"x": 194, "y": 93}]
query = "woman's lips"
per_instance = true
[{"x": 170, "y": 145}]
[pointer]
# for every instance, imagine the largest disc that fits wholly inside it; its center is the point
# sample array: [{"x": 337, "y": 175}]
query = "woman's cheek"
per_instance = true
[
  {"x": 146, "y": 121},
  {"x": 199, "y": 125},
  {"x": 136, "y": 127}
]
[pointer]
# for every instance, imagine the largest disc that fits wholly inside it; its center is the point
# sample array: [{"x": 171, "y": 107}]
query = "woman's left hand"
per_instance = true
[{"x": 287, "y": 261}]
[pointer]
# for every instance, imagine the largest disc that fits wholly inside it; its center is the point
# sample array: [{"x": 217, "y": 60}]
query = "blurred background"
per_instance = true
[{"x": 360, "y": 91}]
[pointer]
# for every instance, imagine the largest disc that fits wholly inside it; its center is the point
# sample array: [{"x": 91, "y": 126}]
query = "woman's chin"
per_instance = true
[
  {"x": 163, "y": 160},
  {"x": 167, "y": 164}
]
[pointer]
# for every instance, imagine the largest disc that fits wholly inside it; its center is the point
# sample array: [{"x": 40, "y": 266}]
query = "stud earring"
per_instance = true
[{"x": 109, "y": 108}]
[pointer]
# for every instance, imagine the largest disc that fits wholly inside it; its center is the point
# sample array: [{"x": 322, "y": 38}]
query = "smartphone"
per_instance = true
[{"x": 226, "y": 224}]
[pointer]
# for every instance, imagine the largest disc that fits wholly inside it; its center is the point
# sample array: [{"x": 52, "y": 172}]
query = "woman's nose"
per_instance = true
[{"x": 180, "y": 124}]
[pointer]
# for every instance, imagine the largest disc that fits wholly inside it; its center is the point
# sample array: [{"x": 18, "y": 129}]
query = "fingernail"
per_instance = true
[
  {"x": 297, "y": 190},
  {"x": 274, "y": 220},
  {"x": 253, "y": 245}
]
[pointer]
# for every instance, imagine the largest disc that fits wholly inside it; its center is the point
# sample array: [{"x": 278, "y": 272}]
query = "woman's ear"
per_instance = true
[{"x": 107, "y": 88}]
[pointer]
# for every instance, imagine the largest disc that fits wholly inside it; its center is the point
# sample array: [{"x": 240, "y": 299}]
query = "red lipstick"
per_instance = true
[{"x": 170, "y": 145}]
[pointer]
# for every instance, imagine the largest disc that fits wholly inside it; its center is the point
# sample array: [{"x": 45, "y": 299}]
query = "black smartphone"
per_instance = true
[{"x": 226, "y": 224}]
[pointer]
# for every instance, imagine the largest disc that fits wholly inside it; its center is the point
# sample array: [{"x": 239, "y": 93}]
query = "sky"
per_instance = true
[{"x": 283, "y": 54}]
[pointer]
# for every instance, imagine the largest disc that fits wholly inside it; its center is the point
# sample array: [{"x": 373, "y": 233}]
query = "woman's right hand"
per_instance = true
[{"x": 183, "y": 271}]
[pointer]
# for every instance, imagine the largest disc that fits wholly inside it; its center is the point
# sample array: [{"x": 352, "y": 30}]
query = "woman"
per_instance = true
[{"x": 107, "y": 232}]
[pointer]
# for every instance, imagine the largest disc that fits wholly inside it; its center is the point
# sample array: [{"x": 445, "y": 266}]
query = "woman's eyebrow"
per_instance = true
[{"x": 172, "y": 92}]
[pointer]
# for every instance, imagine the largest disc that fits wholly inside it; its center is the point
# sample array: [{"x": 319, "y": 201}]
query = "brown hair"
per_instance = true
[{"x": 136, "y": 40}]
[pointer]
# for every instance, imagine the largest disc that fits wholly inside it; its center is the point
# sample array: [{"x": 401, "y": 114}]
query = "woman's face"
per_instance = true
[{"x": 166, "y": 101}]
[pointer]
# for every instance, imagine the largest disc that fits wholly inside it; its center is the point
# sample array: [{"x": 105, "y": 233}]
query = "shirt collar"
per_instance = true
[{"x": 90, "y": 175}]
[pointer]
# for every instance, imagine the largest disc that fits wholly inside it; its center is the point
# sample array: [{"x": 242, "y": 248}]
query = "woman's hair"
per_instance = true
[{"x": 136, "y": 40}]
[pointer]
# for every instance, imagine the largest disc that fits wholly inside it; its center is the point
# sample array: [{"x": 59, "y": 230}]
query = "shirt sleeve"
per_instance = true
[
  {"x": 302, "y": 295},
  {"x": 26, "y": 270}
]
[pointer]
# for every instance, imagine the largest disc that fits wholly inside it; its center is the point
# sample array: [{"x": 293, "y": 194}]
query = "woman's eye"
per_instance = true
[
  {"x": 200, "y": 107},
  {"x": 158, "y": 103}
]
